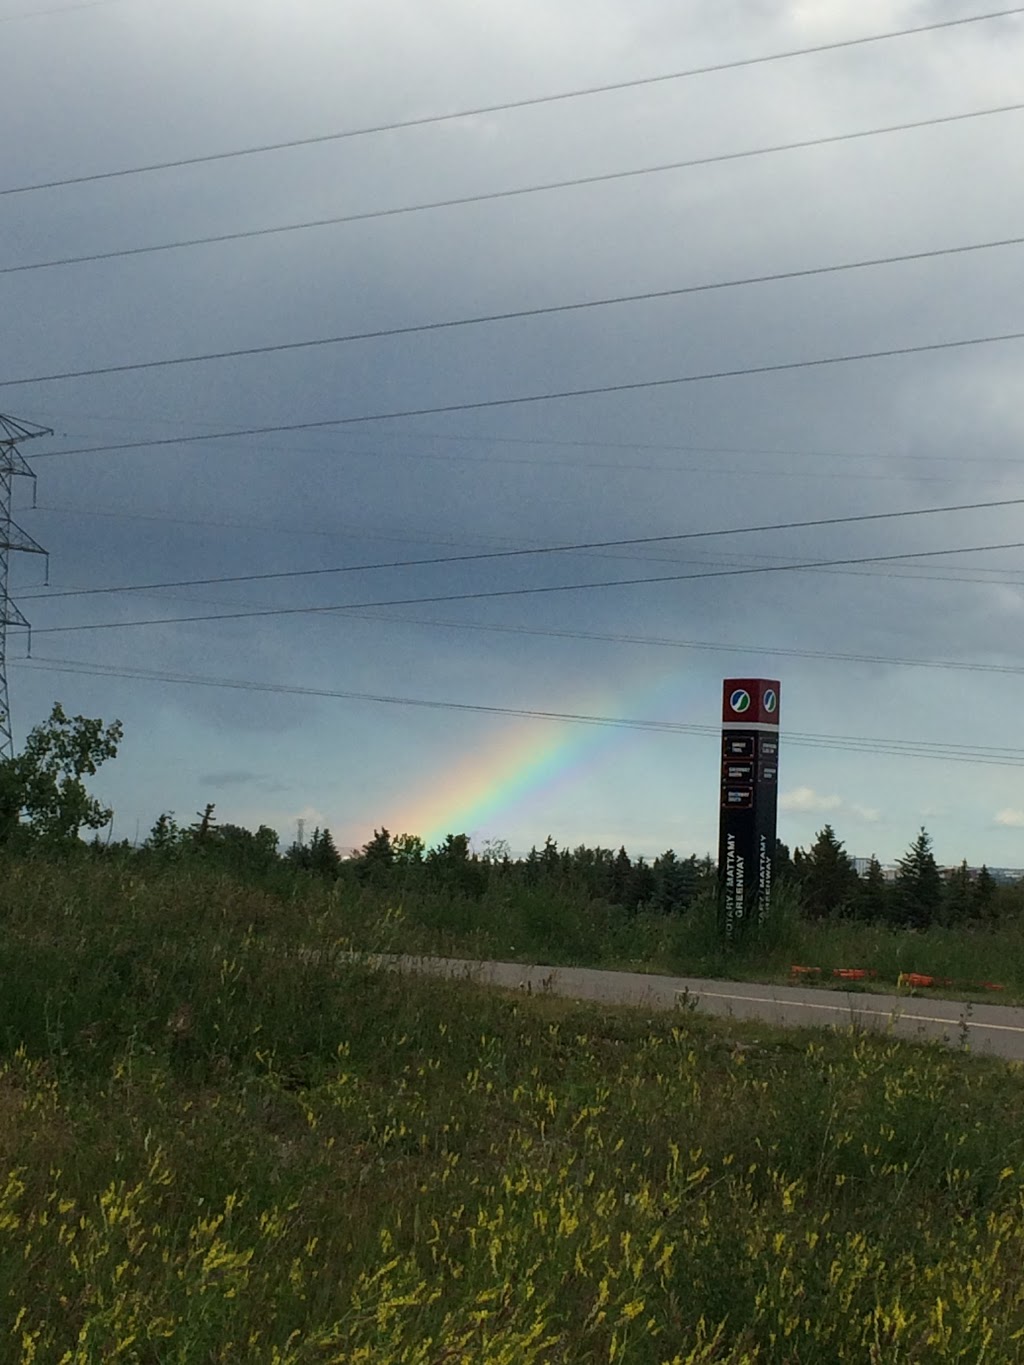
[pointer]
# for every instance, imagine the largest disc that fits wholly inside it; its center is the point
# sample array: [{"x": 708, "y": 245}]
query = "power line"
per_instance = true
[
  {"x": 489, "y": 196},
  {"x": 519, "y": 400},
  {"x": 989, "y": 755},
  {"x": 573, "y": 547},
  {"x": 66, "y": 9},
  {"x": 712, "y": 646},
  {"x": 973, "y": 576},
  {"x": 700, "y": 449},
  {"x": 588, "y": 443},
  {"x": 511, "y": 315},
  {"x": 977, "y": 574},
  {"x": 554, "y": 442},
  {"x": 506, "y": 106},
  {"x": 525, "y": 592}
]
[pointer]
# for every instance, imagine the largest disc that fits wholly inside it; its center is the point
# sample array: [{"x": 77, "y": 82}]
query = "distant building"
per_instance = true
[{"x": 1002, "y": 876}]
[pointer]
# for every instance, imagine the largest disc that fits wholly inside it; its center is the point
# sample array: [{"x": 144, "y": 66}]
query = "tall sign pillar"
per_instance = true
[{"x": 749, "y": 803}]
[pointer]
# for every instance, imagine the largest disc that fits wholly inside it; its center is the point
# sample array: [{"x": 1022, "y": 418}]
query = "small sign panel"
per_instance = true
[
  {"x": 739, "y": 772},
  {"x": 738, "y": 746}
]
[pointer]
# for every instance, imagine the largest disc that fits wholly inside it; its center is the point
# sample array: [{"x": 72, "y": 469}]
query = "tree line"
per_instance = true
[{"x": 44, "y": 804}]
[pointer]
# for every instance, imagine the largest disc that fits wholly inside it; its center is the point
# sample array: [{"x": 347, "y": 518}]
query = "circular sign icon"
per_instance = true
[
  {"x": 771, "y": 700},
  {"x": 740, "y": 701}
]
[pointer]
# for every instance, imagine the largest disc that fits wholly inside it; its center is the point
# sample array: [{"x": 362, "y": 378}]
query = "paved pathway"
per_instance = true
[{"x": 995, "y": 1029}]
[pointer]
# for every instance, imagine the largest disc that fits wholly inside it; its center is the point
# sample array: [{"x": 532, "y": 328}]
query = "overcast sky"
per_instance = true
[{"x": 128, "y": 83}]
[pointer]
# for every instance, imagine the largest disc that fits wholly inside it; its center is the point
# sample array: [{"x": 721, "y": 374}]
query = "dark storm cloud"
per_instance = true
[{"x": 137, "y": 83}]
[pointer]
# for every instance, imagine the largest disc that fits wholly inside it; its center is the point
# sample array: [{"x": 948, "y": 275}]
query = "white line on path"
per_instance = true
[{"x": 851, "y": 1008}]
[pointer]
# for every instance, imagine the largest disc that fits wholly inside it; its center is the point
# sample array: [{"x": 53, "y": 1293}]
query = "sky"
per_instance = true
[{"x": 406, "y": 696}]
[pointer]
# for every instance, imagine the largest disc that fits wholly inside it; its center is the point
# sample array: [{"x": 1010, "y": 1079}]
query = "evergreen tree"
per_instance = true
[
  {"x": 549, "y": 860},
  {"x": 297, "y": 855},
  {"x": 872, "y": 901},
  {"x": 324, "y": 858},
  {"x": 707, "y": 875},
  {"x": 165, "y": 836},
  {"x": 783, "y": 868},
  {"x": 202, "y": 828},
  {"x": 619, "y": 882},
  {"x": 641, "y": 885},
  {"x": 376, "y": 858},
  {"x": 918, "y": 892},
  {"x": 531, "y": 867},
  {"x": 828, "y": 880},
  {"x": 452, "y": 866},
  {"x": 984, "y": 893},
  {"x": 675, "y": 882},
  {"x": 958, "y": 903}
]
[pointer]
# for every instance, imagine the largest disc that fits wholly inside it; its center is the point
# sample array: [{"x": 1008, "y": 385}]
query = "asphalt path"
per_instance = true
[{"x": 994, "y": 1029}]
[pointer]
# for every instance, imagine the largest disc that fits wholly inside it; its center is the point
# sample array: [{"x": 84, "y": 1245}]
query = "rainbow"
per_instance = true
[{"x": 530, "y": 758}]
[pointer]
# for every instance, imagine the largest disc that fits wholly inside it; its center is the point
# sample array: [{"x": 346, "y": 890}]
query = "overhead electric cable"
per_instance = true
[
  {"x": 951, "y": 753},
  {"x": 60, "y": 9},
  {"x": 264, "y": 612},
  {"x": 519, "y": 400},
  {"x": 507, "y": 106},
  {"x": 490, "y": 438},
  {"x": 712, "y": 646},
  {"x": 518, "y": 314},
  {"x": 571, "y": 547},
  {"x": 518, "y": 191}
]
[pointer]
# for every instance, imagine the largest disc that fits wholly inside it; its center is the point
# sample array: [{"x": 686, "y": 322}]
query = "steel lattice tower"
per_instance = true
[{"x": 12, "y": 537}]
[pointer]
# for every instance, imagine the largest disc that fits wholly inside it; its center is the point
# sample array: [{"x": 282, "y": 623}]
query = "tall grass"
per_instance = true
[
  {"x": 542, "y": 925},
  {"x": 223, "y": 1138}
]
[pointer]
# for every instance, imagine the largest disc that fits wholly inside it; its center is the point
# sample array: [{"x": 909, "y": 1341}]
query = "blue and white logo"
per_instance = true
[
  {"x": 771, "y": 700},
  {"x": 740, "y": 701}
]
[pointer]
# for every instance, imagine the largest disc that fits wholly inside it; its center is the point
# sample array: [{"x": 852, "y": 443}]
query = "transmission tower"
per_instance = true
[{"x": 12, "y": 537}]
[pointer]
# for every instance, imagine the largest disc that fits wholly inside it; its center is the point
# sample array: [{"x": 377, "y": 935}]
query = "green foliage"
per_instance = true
[
  {"x": 324, "y": 858},
  {"x": 959, "y": 899},
  {"x": 375, "y": 861},
  {"x": 203, "y": 830},
  {"x": 453, "y": 867},
  {"x": 225, "y": 1139},
  {"x": 42, "y": 793},
  {"x": 873, "y": 894},
  {"x": 984, "y": 893},
  {"x": 165, "y": 836},
  {"x": 918, "y": 893},
  {"x": 408, "y": 850},
  {"x": 828, "y": 882}
]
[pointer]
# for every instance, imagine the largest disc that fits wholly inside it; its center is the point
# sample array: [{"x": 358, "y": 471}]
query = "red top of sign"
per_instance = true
[{"x": 750, "y": 701}]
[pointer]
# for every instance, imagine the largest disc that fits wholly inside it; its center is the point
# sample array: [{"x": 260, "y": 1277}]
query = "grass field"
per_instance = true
[{"x": 216, "y": 1147}]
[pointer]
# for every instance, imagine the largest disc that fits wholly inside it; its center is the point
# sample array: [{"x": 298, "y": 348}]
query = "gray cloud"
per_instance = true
[{"x": 105, "y": 88}]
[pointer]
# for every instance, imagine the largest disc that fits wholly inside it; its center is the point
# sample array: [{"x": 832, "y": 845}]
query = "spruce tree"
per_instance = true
[
  {"x": 984, "y": 893},
  {"x": 829, "y": 882},
  {"x": 959, "y": 898},
  {"x": 918, "y": 898},
  {"x": 324, "y": 857},
  {"x": 376, "y": 858},
  {"x": 873, "y": 893}
]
